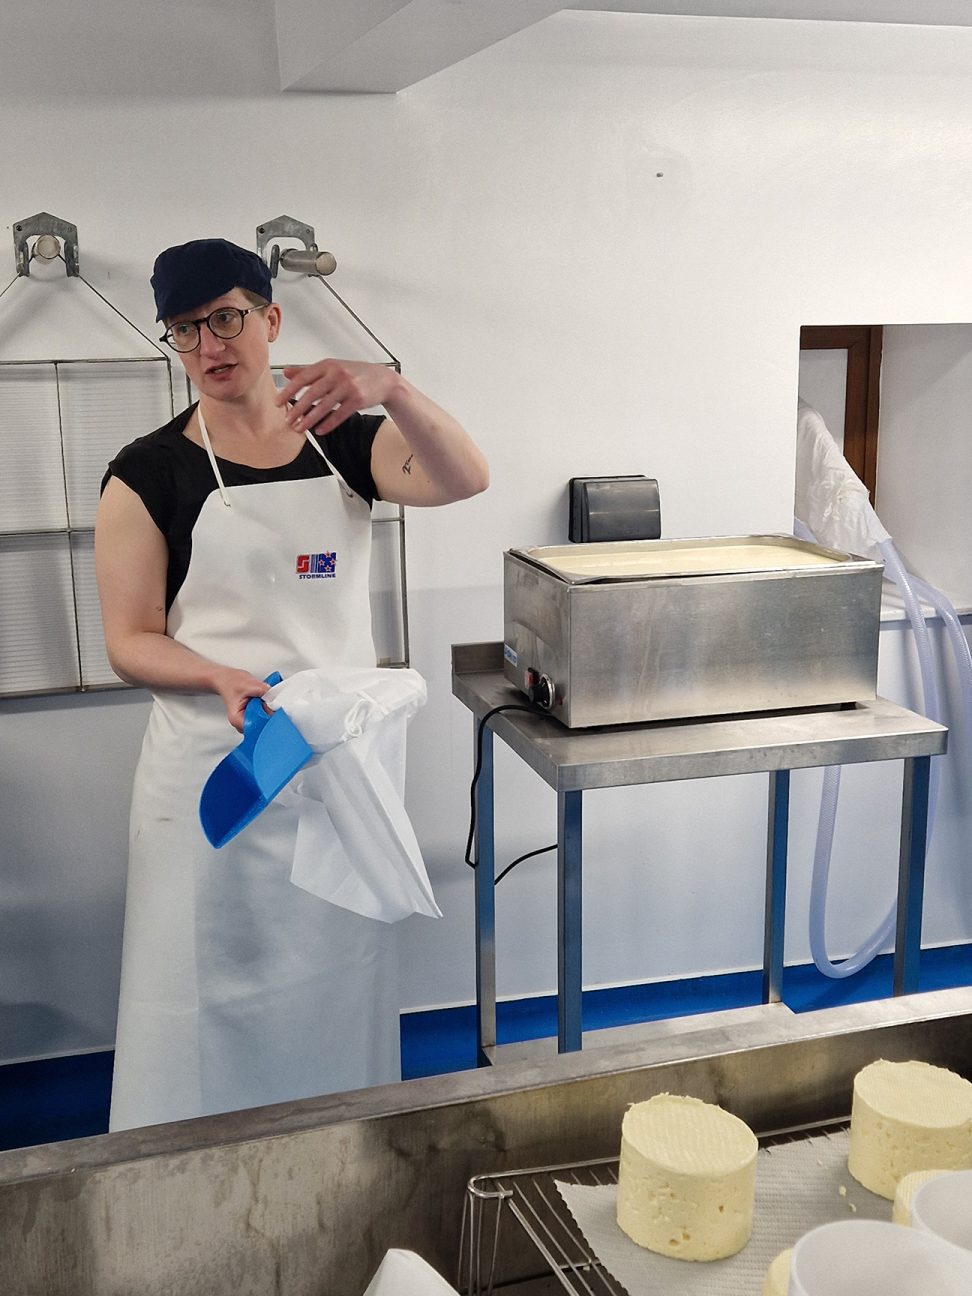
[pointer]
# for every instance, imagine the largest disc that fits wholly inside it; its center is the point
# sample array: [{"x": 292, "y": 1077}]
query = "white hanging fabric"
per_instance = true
[{"x": 830, "y": 499}]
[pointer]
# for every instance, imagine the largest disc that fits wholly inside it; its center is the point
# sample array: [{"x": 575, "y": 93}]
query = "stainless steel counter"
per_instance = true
[
  {"x": 618, "y": 755},
  {"x": 305, "y": 1198},
  {"x": 573, "y": 761}
]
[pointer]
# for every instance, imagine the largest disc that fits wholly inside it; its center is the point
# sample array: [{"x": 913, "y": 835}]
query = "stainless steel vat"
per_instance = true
[
  {"x": 304, "y": 1199},
  {"x": 623, "y": 633}
]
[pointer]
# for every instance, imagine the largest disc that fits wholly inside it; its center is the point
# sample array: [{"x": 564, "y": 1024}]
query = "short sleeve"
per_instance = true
[{"x": 146, "y": 469}]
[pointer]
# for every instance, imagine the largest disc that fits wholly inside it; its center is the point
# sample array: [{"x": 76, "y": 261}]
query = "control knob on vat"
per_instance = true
[{"x": 540, "y": 689}]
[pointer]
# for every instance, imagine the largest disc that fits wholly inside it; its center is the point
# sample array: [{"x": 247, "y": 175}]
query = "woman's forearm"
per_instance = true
[
  {"x": 444, "y": 451},
  {"x": 156, "y": 661}
]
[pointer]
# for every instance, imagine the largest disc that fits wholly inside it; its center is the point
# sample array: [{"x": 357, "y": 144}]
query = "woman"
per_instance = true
[{"x": 237, "y": 988}]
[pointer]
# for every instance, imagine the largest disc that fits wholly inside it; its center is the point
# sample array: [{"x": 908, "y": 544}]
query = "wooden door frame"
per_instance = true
[{"x": 862, "y": 401}]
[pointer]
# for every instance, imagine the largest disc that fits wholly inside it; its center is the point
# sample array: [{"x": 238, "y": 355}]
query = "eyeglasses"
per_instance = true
[{"x": 224, "y": 323}]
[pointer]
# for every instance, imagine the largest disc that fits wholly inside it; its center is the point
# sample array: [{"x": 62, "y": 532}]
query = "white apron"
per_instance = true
[{"x": 238, "y": 988}]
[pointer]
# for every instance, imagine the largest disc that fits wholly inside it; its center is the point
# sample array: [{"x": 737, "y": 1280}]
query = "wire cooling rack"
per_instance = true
[
  {"x": 529, "y": 1202},
  {"x": 531, "y": 1198}
]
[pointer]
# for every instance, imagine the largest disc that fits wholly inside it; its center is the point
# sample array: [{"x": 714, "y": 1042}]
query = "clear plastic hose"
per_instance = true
[
  {"x": 961, "y": 653},
  {"x": 884, "y": 932}
]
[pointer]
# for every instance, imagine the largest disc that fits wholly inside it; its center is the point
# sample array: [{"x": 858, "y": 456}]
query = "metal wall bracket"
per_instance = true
[
  {"x": 311, "y": 261},
  {"x": 38, "y": 226}
]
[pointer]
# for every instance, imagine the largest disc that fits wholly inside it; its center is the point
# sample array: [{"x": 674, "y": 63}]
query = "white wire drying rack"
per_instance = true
[{"x": 62, "y": 417}]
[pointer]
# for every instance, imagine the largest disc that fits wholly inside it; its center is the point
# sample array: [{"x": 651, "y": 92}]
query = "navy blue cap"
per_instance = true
[{"x": 191, "y": 274}]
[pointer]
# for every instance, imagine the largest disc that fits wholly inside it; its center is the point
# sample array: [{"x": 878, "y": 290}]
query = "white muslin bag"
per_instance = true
[{"x": 355, "y": 845}]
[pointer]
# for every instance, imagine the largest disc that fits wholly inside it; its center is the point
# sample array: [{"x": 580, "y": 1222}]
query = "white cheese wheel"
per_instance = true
[
  {"x": 686, "y": 1178},
  {"x": 906, "y": 1189},
  {"x": 908, "y": 1116},
  {"x": 777, "y": 1280}
]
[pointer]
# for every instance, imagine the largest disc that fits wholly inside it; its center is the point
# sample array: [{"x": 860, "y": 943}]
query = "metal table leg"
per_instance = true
[
  {"x": 775, "y": 911},
  {"x": 569, "y": 914},
  {"x": 485, "y": 906},
  {"x": 911, "y": 873}
]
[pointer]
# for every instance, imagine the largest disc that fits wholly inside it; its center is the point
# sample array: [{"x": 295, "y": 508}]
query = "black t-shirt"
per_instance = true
[{"x": 173, "y": 477}]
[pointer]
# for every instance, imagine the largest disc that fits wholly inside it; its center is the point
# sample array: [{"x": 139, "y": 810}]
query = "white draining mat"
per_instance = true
[{"x": 798, "y": 1186}]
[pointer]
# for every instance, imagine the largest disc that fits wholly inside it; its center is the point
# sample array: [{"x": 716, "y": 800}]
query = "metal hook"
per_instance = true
[
  {"x": 309, "y": 262},
  {"x": 43, "y": 226}
]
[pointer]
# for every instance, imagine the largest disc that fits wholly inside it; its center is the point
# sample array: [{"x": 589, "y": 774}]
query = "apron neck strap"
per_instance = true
[
  {"x": 223, "y": 493},
  {"x": 317, "y": 446},
  {"x": 204, "y": 433}
]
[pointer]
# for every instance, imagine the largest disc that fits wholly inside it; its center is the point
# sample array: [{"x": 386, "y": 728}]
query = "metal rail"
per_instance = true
[{"x": 307, "y": 1197}]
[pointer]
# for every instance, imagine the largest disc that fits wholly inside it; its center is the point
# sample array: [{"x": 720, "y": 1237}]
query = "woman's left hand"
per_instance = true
[
  {"x": 334, "y": 388},
  {"x": 420, "y": 454}
]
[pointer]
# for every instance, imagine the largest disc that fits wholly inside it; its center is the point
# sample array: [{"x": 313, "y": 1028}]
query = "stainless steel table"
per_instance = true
[{"x": 572, "y": 761}]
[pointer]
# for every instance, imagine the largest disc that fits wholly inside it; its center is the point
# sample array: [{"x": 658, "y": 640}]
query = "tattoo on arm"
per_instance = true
[{"x": 407, "y": 465}]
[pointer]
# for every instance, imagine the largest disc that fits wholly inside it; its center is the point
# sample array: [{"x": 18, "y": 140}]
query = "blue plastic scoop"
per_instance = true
[{"x": 245, "y": 782}]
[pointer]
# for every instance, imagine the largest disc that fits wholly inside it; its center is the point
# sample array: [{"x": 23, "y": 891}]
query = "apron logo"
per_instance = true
[{"x": 319, "y": 566}]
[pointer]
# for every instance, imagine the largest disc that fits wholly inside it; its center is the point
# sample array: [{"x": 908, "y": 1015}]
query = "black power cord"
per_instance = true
[
  {"x": 507, "y": 706},
  {"x": 519, "y": 860}
]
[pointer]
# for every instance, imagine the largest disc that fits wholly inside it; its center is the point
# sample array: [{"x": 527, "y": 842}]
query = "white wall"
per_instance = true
[
  {"x": 596, "y": 243},
  {"x": 925, "y": 450}
]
